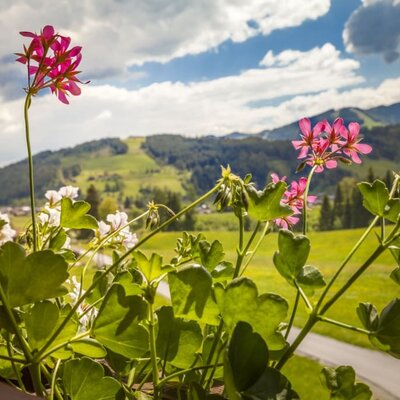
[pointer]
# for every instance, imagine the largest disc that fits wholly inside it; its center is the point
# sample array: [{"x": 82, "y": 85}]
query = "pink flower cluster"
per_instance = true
[
  {"x": 324, "y": 144},
  {"x": 51, "y": 64},
  {"x": 294, "y": 197}
]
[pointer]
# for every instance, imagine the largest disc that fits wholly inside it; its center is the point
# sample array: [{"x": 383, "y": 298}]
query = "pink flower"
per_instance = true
[
  {"x": 352, "y": 145},
  {"x": 321, "y": 157},
  {"x": 308, "y": 137},
  {"x": 323, "y": 146},
  {"x": 294, "y": 198},
  {"x": 50, "y": 64}
]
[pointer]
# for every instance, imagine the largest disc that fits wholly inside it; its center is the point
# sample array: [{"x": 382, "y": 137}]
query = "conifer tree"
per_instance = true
[{"x": 325, "y": 216}]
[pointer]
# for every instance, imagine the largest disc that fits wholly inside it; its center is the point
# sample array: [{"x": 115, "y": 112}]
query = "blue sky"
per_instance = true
[{"x": 200, "y": 67}]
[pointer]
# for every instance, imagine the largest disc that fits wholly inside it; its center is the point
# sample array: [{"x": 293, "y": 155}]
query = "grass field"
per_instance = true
[{"x": 135, "y": 168}]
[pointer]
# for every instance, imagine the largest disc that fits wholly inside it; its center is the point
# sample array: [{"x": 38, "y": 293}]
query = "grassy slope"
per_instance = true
[{"x": 135, "y": 168}]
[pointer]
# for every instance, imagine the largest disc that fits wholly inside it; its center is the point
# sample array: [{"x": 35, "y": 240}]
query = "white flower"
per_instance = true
[
  {"x": 53, "y": 197},
  {"x": 104, "y": 229},
  {"x": 50, "y": 216},
  {"x": 130, "y": 240},
  {"x": 69, "y": 191},
  {"x": 7, "y": 234},
  {"x": 117, "y": 220}
]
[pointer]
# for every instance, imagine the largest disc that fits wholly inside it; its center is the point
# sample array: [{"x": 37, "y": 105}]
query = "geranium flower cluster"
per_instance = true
[
  {"x": 325, "y": 144},
  {"x": 51, "y": 64},
  {"x": 118, "y": 229},
  {"x": 7, "y": 234},
  {"x": 51, "y": 213},
  {"x": 294, "y": 198}
]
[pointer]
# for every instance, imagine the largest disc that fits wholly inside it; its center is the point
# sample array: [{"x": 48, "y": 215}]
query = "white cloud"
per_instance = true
[
  {"x": 218, "y": 106},
  {"x": 119, "y": 33}
]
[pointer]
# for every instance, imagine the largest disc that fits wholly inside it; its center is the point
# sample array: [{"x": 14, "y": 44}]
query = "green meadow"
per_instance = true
[{"x": 133, "y": 169}]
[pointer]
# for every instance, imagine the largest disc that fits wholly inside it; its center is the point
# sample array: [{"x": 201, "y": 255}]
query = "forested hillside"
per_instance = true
[{"x": 204, "y": 156}]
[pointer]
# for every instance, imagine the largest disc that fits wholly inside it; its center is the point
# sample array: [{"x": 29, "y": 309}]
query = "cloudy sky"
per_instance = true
[{"x": 199, "y": 66}]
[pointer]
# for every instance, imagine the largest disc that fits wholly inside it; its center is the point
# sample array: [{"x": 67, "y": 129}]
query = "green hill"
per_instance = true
[{"x": 120, "y": 167}]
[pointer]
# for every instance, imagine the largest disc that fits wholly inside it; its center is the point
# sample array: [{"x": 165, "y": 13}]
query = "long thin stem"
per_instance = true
[
  {"x": 185, "y": 371},
  {"x": 114, "y": 265},
  {"x": 305, "y": 205},
  {"x": 292, "y": 316},
  {"x": 153, "y": 350},
  {"x": 346, "y": 260},
  {"x": 263, "y": 234},
  {"x": 303, "y": 296},
  {"x": 343, "y": 325},
  {"x": 30, "y": 164}
]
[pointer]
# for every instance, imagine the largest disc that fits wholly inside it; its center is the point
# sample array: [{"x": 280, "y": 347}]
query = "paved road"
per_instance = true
[{"x": 380, "y": 371}]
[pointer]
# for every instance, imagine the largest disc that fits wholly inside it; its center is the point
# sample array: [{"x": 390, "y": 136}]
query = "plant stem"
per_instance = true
[
  {"x": 342, "y": 325},
  {"x": 30, "y": 164},
  {"x": 263, "y": 234},
  {"x": 379, "y": 250},
  {"x": 114, "y": 265},
  {"x": 212, "y": 350},
  {"x": 153, "y": 350},
  {"x": 305, "y": 205},
  {"x": 312, "y": 319},
  {"x": 345, "y": 261},
  {"x": 294, "y": 311},
  {"x": 15, "y": 369},
  {"x": 303, "y": 296},
  {"x": 54, "y": 379},
  {"x": 185, "y": 371}
]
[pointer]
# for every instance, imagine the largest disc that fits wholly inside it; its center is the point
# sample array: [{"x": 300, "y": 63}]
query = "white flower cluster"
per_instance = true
[
  {"x": 7, "y": 234},
  {"x": 115, "y": 222},
  {"x": 52, "y": 209}
]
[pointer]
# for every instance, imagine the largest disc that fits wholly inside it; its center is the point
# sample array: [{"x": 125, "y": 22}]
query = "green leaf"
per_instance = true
[
  {"x": 395, "y": 250},
  {"x": 89, "y": 347},
  {"x": 342, "y": 384},
  {"x": 58, "y": 241},
  {"x": 84, "y": 380},
  {"x": 272, "y": 385},
  {"x": 266, "y": 205},
  {"x": 40, "y": 321},
  {"x": 118, "y": 327},
  {"x": 211, "y": 254},
  {"x": 75, "y": 215},
  {"x": 310, "y": 276},
  {"x": 239, "y": 301},
  {"x": 223, "y": 272},
  {"x": 6, "y": 368},
  {"x": 190, "y": 290},
  {"x": 126, "y": 280},
  {"x": 152, "y": 267},
  {"x": 375, "y": 196},
  {"x": 388, "y": 332},
  {"x": 69, "y": 331},
  {"x": 368, "y": 315},
  {"x": 392, "y": 210},
  {"x": 292, "y": 255},
  {"x": 178, "y": 341},
  {"x": 247, "y": 355},
  {"x": 31, "y": 279},
  {"x": 395, "y": 275}
]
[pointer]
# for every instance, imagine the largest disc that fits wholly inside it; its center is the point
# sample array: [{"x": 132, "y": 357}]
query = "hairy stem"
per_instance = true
[
  {"x": 30, "y": 164},
  {"x": 305, "y": 196}
]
